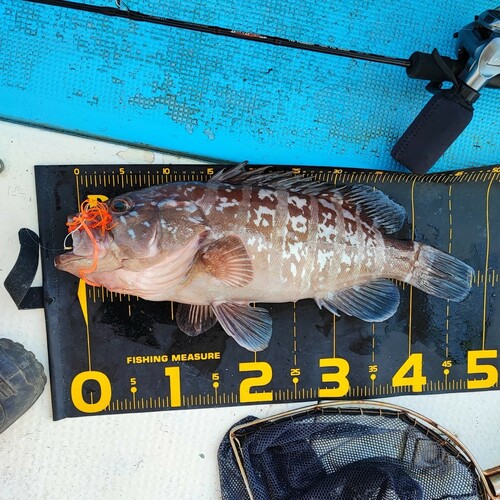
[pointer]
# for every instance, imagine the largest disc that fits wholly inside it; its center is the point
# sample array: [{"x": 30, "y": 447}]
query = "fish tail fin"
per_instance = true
[{"x": 440, "y": 274}]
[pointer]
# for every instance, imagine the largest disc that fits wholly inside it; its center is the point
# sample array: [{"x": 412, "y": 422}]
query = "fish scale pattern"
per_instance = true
[{"x": 214, "y": 97}]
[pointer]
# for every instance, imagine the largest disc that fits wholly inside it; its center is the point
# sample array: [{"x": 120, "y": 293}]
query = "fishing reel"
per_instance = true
[{"x": 450, "y": 109}]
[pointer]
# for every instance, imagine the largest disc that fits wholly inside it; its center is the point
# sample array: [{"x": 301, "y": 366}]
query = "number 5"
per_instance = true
[{"x": 489, "y": 370}]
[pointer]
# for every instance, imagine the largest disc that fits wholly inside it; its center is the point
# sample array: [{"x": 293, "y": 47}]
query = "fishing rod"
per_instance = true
[
  {"x": 133, "y": 15},
  {"x": 419, "y": 65},
  {"x": 443, "y": 118}
]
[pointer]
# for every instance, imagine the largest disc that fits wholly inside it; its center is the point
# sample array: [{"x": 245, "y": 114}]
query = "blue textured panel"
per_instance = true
[{"x": 210, "y": 96}]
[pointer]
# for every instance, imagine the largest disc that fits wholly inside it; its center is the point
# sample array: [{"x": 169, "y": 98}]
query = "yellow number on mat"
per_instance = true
[
  {"x": 338, "y": 377},
  {"x": 174, "y": 374},
  {"x": 416, "y": 381},
  {"x": 77, "y": 389},
  {"x": 263, "y": 379},
  {"x": 489, "y": 370}
]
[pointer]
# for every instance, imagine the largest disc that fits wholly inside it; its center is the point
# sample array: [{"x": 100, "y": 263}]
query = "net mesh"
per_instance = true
[{"x": 345, "y": 455}]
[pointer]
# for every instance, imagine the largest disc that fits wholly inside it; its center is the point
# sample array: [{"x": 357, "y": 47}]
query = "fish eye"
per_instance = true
[{"x": 120, "y": 205}]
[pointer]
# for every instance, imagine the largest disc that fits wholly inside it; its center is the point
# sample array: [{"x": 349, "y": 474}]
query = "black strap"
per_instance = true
[
  {"x": 447, "y": 74},
  {"x": 18, "y": 282}
]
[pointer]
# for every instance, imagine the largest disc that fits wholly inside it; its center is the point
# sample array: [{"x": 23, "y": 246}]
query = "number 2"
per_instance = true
[{"x": 263, "y": 379}]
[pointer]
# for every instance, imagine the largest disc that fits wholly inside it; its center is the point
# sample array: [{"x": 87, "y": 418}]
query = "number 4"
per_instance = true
[{"x": 416, "y": 381}]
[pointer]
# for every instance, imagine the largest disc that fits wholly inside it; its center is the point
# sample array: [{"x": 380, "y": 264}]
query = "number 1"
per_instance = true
[{"x": 174, "y": 374}]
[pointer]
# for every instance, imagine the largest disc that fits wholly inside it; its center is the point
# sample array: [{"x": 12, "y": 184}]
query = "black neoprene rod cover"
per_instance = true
[{"x": 433, "y": 131}]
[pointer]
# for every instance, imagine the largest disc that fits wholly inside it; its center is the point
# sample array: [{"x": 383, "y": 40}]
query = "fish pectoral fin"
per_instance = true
[
  {"x": 250, "y": 326},
  {"x": 227, "y": 259},
  {"x": 375, "y": 301},
  {"x": 195, "y": 319}
]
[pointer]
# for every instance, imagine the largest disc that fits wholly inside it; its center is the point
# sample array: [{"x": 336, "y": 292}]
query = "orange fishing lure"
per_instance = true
[{"x": 93, "y": 214}]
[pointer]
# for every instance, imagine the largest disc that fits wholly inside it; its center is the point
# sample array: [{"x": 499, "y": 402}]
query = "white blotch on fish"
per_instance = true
[
  {"x": 299, "y": 223},
  {"x": 224, "y": 203},
  {"x": 298, "y": 202},
  {"x": 259, "y": 216}
]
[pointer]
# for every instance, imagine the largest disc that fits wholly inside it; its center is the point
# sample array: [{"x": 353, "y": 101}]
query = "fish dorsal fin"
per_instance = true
[
  {"x": 195, "y": 319},
  {"x": 384, "y": 213},
  {"x": 229, "y": 174},
  {"x": 373, "y": 301},
  {"x": 227, "y": 259},
  {"x": 250, "y": 326},
  {"x": 284, "y": 180}
]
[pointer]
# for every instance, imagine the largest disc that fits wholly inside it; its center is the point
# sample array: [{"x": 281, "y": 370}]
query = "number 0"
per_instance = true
[{"x": 77, "y": 389}]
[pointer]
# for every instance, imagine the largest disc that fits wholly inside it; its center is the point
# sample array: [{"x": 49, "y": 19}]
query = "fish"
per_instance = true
[{"x": 217, "y": 248}]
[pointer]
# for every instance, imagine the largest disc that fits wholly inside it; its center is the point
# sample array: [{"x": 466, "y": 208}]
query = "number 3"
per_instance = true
[{"x": 339, "y": 377}]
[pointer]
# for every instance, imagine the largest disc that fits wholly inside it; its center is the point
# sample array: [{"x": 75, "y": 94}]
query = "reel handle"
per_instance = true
[{"x": 433, "y": 131}]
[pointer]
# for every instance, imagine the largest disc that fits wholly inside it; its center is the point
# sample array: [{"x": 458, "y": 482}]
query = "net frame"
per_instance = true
[{"x": 489, "y": 480}]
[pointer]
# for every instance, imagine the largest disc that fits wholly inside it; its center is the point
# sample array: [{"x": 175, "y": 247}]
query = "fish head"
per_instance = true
[{"x": 146, "y": 225}]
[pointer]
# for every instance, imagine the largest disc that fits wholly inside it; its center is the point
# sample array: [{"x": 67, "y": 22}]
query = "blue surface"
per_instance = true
[{"x": 210, "y": 96}]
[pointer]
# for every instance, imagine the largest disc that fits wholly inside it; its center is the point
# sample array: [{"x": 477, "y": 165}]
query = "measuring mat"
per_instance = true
[{"x": 113, "y": 353}]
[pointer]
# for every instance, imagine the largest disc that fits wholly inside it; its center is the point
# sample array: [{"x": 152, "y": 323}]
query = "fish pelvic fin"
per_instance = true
[
  {"x": 195, "y": 319},
  {"x": 375, "y": 301},
  {"x": 251, "y": 327},
  {"x": 227, "y": 259},
  {"x": 440, "y": 274}
]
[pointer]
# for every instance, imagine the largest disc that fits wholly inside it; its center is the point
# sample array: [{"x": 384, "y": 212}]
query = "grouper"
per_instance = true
[{"x": 245, "y": 237}]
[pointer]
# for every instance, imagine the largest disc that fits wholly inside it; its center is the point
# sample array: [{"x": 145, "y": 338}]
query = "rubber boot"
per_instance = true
[{"x": 21, "y": 381}]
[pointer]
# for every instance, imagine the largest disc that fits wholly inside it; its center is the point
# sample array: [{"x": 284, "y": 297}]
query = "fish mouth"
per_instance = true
[
  {"x": 82, "y": 254},
  {"x": 69, "y": 259}
]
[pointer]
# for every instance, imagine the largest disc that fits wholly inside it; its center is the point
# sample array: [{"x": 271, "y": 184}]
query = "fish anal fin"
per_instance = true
[
  {"x": 194, "y": 319},
  {"x": 323, "y": 302},
  {"x": 251, "y": 327},
  {"x": 376, "y": 300},
  {"x": 227, "y": 259}
]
